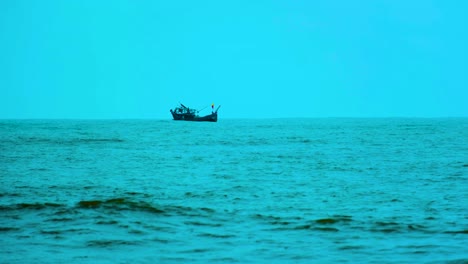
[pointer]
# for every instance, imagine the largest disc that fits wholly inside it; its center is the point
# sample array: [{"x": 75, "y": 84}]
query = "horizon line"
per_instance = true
[{"x": 233, "y": 118}]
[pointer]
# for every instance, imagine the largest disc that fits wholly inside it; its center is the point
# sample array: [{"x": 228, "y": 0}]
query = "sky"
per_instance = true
[{"x": 258, "y": 59}]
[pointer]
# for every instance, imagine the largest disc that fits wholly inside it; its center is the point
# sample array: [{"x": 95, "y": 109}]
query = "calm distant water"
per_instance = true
[{"x": 279, "y": 190}]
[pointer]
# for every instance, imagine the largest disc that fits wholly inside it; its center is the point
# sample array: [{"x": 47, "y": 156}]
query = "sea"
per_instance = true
[{"x": 325, "y": 190}]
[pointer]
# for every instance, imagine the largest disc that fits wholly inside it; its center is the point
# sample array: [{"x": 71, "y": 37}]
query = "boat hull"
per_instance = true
[{"x": 186, "y": 117}]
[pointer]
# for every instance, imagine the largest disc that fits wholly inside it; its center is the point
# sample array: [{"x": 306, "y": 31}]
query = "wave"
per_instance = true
[
  {"x": 120, "y": 204},
  {"x": 465, "y": 231},
  {"x": 111, "y": 243},
  {"x": 29, "y": 206},
  {"x": 211, "y": 235},
  {"x": 64, "y": 141},
  {"x": 8, "y": 229},
  {"x": 346, "y": 223},
  {"x": 104, "y": 210},
  {"x": 127, "y": 204},
  {"x": 108, "y": 205}
]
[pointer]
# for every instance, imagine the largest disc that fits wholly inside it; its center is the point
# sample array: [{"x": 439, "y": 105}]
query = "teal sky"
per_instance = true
[{"x": 277, "y": 58}]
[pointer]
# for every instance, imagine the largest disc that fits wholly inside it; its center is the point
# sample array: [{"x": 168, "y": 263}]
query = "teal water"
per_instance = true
[{"x": 279, "y": 190}]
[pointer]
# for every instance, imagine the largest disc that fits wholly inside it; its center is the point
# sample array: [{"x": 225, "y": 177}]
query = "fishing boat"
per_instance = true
[{"x": 185, "y": 113}]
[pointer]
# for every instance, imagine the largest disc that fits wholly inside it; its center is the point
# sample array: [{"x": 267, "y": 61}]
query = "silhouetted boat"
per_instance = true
[{"x": 189, "y": 114}]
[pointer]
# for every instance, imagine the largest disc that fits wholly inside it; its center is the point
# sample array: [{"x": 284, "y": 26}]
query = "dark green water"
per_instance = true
[{"x": 279, "y": 190}]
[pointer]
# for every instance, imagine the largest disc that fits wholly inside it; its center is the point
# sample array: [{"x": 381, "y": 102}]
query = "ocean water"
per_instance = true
[{"x": 247, "y": 191}]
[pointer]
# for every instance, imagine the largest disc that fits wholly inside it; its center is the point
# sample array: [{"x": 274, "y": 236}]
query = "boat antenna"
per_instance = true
[
  {"x": 203, "y": 108},
  {"x": 182, "y": 105}
]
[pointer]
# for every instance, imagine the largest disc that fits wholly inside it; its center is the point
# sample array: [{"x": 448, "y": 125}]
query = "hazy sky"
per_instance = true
[{"x": 276, "y": 58}]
